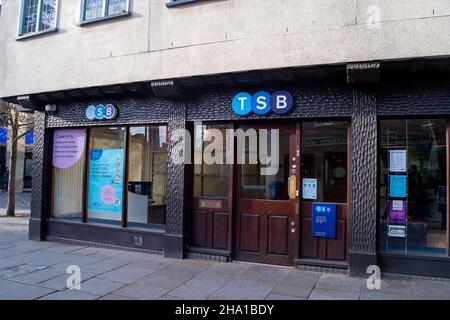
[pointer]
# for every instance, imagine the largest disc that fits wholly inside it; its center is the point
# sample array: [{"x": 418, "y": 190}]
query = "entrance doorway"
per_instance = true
[
  {"x": 265, "y": 193},
  {"x": 256, "y": 208}
]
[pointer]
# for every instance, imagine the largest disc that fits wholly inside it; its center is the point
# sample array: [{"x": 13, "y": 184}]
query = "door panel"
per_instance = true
[
  {"x": 278, "y": 235},
  {"x": 250, "y": 232},
  {"x": 264, "y": 212}
]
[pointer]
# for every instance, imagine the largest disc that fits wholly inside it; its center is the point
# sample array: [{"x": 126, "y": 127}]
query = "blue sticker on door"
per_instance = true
[{"x": 324, "y": 220}]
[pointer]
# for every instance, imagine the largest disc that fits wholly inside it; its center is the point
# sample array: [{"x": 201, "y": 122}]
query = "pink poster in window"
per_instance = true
[
  {"x": 397, "y": 210},
  {"x": 68, "y": 147}
]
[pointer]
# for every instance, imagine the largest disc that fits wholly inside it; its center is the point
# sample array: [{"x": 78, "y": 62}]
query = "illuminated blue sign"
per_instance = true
[
  {"x": 262, "y": 102},
  {"x": 101, "y": 112},
  {"x": 324, "y": 220}
]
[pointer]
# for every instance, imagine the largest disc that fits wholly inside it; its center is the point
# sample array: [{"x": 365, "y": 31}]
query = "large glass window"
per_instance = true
[
  {"x": 106, "y": 174},
  {"x": 210, "y": 179},
  {"x": 38, "y": 15},
  {"x": 94, "y": 9},
  {"x": 68, "y": 173},
  {"x": 97, "y": 176},
  {"x": 147, "y": 175},
  {"x": 413, "y": 186},
  {"x": 324, "y": 161}
]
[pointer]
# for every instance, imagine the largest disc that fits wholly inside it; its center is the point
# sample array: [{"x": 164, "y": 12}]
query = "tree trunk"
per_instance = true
[{"x": 10, "y": 211}]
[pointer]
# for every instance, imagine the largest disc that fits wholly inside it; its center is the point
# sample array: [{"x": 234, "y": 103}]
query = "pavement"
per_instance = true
[
  {"x": 38, "y": 270},
  {"x": 22, "y": 203}
]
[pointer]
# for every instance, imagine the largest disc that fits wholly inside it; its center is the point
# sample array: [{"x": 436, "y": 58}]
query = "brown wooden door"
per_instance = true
[{"x": 265, "y": 228}]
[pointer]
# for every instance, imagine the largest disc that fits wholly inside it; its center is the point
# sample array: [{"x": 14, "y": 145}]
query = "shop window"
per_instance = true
[
  {"x": 413, "y": 186},
  {"x": 210, "y": 179},
  {"x": 324, "y": 161},
  {"x": 274, "y": 184},
  {"x": 106, "y": 174},
  {"x": 97, "y": 9},
  {"x": 147, "y": 175},
  {"x": 68, "y": 173},
  {"x": 100, "y": 179},
  {"x": 28, "y": 170},
  {"x": 38, "y": 16}
]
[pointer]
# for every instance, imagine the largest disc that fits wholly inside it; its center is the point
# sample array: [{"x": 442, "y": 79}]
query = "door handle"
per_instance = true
[{"x": 292, "y": 185}]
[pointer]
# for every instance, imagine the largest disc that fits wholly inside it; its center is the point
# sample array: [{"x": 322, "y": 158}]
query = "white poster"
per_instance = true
[
  {"x": 309, "y": 189},
  {"x": 397, "y": 160}
]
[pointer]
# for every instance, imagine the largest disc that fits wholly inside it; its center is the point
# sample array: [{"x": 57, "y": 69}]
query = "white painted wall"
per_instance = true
[{"x": 210, "y": 37}]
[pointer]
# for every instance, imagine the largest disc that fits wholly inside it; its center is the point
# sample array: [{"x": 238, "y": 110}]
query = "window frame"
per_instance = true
[
  {"x": 174, "y": 3},
  {"x": 123, "y": 223},
  {"x": 36, "y": 30},
  {"x": 380, "y": 251},
  {"x": 105, "y": 14}
]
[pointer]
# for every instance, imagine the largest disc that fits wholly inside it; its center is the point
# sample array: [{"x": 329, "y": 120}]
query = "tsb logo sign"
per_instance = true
[
  {"x": 280, "y": 102},
  {"x": 100, "y": 112}
]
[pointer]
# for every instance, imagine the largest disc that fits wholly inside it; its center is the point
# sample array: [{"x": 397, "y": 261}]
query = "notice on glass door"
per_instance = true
[
  {"x": 397, "y": 186},
  {"x": 397, "y": 160},
  {"x": 309, "y": 189},
  {"x": 397, "y": 210}
]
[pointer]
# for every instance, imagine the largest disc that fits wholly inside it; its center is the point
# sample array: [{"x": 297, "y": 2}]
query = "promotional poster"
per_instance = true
[{"x": 106, "y": 180}]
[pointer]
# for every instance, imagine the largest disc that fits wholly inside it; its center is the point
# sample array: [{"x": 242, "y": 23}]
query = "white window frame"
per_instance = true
[
  {"x": 38, "y": 19},
  {"x": 105, "y": 14}
]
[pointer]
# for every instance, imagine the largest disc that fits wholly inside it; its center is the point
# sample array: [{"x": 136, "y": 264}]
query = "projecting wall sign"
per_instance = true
[
  {"x": 262, "y": 102},
  {"x": 101, "y": 112}
]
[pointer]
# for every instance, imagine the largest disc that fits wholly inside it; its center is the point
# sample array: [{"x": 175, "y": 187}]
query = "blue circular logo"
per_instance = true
[
  {"x": 261, "y": 102},
  {"x": 109, "y": 112},
  {"x": 242, "y": 103},
  {"x": 90, "y": 112},
  {"x": 281, "y": 102},
  {"x": 99, "y": 112}
]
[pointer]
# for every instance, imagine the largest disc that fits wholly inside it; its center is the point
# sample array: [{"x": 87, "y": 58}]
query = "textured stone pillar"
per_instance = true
[
  {"x": 174, "y": 237},
  {"x": 364, "y": 181},
  {"x": 41, "y": 178}
]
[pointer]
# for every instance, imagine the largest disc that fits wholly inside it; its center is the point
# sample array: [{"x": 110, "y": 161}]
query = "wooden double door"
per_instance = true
[{"x": 254, "y": 210}]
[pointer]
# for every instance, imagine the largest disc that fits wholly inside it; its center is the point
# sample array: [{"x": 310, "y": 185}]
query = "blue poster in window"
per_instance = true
[
  {"x": 29, "y": 138},
  {"x": 106, "y": 180},
  {"x": 324, "y": 220},
  {"x": 3, "y": 135},
  {"x": 397, "y": 186}
]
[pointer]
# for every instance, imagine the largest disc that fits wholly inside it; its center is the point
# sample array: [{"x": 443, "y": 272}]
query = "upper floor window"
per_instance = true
[
  {"x": 95, "y": 9},
  {"x": 38, "y": 15}
]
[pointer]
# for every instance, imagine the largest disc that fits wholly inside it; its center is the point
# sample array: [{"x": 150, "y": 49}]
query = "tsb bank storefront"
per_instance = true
[{"x": 327, "y": 168}]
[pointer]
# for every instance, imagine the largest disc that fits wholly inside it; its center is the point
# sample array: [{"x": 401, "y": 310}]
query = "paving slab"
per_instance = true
[
  {"x": 200, "y": 287},
  {"x": 334, "y": 282},
  {"x": 168, "y": 279},
  {"x": 323, "y": 294},
  {"x": 20, "y": 291},
  {"x": 70, "y": 295},
  {"x": 383, "y": 295},
  {"x": 431, "y": 290},
  {"x": 100, "y": 287},
  {"x": 115, "y": 297},
  {"x": 273, "y": 296},
  {"x": 59, "y": 282},
  {"x": 128, "y": 274},
  {"x": 104, "y": 266},
  {"x": 38, "y": 276},
  {"x": 20, "y": 270},
  {"x": 141, "y": 291},
  {"x": 240, "y": 289}
]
